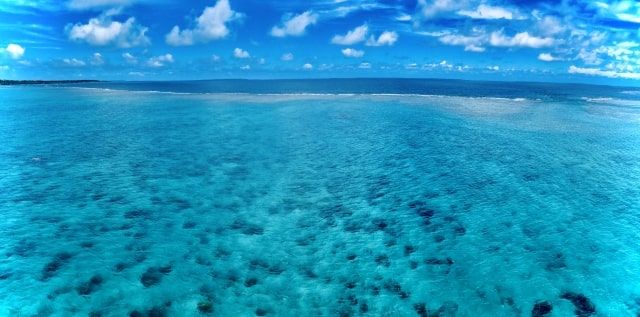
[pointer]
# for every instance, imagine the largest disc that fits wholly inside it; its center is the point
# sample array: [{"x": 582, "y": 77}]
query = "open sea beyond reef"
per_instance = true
[{"x": 362, "y": 197}]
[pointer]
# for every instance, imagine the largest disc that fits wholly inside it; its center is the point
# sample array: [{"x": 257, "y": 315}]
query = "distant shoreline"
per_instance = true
[{"x": 44, "y": 82}]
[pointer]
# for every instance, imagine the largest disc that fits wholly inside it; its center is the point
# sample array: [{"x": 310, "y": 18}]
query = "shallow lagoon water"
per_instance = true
[{"x": 133, "y": 203}]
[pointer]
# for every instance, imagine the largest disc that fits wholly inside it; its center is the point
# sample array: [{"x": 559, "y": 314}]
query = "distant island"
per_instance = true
[{"x": 42, "y": 82}]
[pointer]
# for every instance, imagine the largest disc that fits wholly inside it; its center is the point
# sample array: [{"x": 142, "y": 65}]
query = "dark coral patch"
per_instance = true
[
  {"x": 250, "y": 282},
  {"x": 90, "y": 286},
  {"x": 583, "y": 305},
  {"x": 54, "y": 265},
  {"x": 205, "y": 307},
  {"x": 421, "y": 309},
  {"x": 436, "y": 261},
  {"x": 541, "y": 309},
  {"x": 153, "y": 275}
]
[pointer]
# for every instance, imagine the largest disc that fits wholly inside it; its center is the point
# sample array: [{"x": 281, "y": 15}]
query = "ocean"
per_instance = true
[{"x": 341, "y": 197}]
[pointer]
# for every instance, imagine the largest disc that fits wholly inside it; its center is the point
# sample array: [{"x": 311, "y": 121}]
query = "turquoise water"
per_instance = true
[{"x": 503, "y": 201}]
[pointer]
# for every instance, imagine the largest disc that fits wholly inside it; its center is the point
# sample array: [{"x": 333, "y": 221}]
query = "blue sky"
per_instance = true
[{"x": 552, "y": 40}]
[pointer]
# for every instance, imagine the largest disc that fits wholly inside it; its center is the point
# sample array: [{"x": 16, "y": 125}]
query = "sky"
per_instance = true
[{"x": 545, "y": 40}]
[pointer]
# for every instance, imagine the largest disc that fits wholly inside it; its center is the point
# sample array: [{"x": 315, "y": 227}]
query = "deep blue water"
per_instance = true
[{"x": 319, "y": 198}]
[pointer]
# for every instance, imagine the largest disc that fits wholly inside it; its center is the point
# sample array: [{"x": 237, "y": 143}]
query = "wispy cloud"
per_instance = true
[{"x": 295, "y": 25}]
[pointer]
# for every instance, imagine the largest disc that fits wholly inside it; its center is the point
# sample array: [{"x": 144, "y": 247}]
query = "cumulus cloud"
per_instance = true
[
  {"x": 245, "y": 67},
  {"x": 97, "y": 59},
  {"x": 73, "y": 62},
  {"x": 352, "y": 37},
  {"x": 470, "y": 43},
  {"x": 364, "y": 66},
  {"x": 14, "y": 51},
  {"x": 307, "y": 66},
  {"x": 433, "y": 8},
  {"x": 546, "y": 57},
  {"x": 103, "y": 31},
  {"x": 350, "y": 52},
  {"x": 604, "y": 73},
  {"x": 4, "y": 68},
  {"x": 287, "y": 57},
  {"x": 550, "y": 25},
  {"x": 522, "y": 39},
  {"x": 210, "y": 25},
  {"x": 386, "y": 38},
  {"x": 129, "y": 59},
  {"x": 296, "y": 25},
  {"x": 240, "y": 53},
  {"x": 160, "y": 61},
  {"x": 487, "y": 12}
]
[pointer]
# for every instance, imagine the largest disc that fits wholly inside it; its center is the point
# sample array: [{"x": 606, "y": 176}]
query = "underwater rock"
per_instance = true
[
  {"x": 556, "y": 262},
  {"x": 459, "y": 230},
  {"x": 351, "y": 257},
  {"x": 261, "y": 312},
  {"x": 52, "y": 267},
  {"x": 383, "y": 260},
  {"x": 413, "y": 265},
  {"x": 447, "y": 309},
  {"x": 153, "y": 275},
  {"x": 90, "y": 286},
  {"x": 137, "y": 213},
  {"x": 438, "y": 238},
  {"x": 394, "y": 287},
  {"x": 379, "y": 224},
  {"x": 205, "y": 307},
  {"x": 364, "y": 307},
  {"x": 436, "y": 261},
  {"x": 541, "y": 309},
  {"x": 408, "y": 250},
  {"x": 250, "y": 282},
  {"x": 421, "y": 309},
  {"x": 189, "y": 225},
  {"x": 583, "y": 305}
]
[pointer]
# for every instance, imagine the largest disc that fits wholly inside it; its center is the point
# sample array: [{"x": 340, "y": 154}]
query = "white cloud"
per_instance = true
[
  {"x": 488, "y": 12},
  {"x": 433, "y": 8},
  {"x": 287, "y": 57},
  {"x": 96, "y": 4},
  {"x": 240, "y": 53},
  {"x": 4, "y": 68},
  {"x": 546, "y": 57},
  {"x": 470, "y": 43},
  {"x": 215, "y": 58},
  {"x": 129, "y": 59},
  {"x": 210, "y": 25},
  {"x": 262, "y": 61},
  {"x": 411, "y": 66},
  {"x": 354, "y": 36},
  {"x": 365, "y": 66},
  {"x": 103, "y": 31},
  {"x": 296, "y": 25},
  {"x": 604, "y": 73},
  {"x": 403, "y": 18},
  {"x": 550, "y": 25},
  {"x": 350, "y": 52},
  {"x": 97, "y": 59},
  {"x": 522, "y": 39},
  {"x": 494, "y": 68},
  {"x": 73, "y": 62},
  {"x": 307, "y": 66},
  {"x": 160, "y": 61},
  {"x": 245, "y": 67},
  {"x": 386, "y": 38},
  {"x": 14, "y": 51}
]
